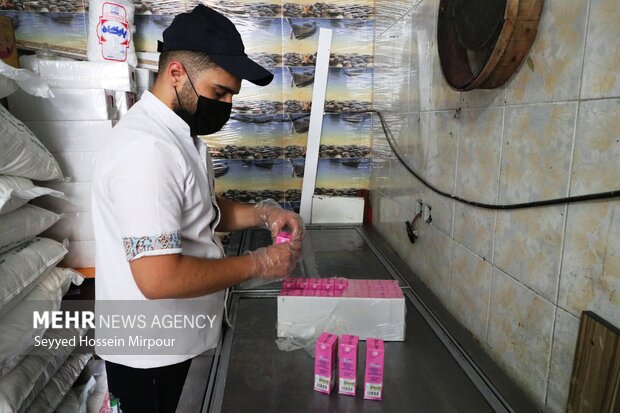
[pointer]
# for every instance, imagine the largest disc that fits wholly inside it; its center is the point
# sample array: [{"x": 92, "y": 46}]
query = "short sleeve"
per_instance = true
[{"x": 146, "y": 187}]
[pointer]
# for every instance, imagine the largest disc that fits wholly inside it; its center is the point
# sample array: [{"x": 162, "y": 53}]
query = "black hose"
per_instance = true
[{"x": 567, "y": 200}]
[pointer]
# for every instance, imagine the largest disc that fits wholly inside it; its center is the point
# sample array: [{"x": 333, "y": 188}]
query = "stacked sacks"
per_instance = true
[
  {"x": 29, "y": 277},
  {"x": 23, "y": 158},
  {"x": 27, "y": 369},
  {"x": 90, "y": 392}
]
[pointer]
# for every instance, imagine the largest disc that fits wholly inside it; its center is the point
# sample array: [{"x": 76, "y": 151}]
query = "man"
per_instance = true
[{"x": 155, "y": 210}]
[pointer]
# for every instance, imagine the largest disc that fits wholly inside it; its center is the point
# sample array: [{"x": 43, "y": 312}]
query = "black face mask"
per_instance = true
[{"x": 210, "y": 116}]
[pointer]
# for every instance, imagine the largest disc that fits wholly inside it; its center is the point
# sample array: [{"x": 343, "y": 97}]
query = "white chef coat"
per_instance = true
[{"x": 152, "y": 195}]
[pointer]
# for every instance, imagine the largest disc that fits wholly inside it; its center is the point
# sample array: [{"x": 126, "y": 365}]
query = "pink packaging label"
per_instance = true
[
  {"x": 373, "y": 379},
  {"x": 283, "y": 237},
  {"x": 325, "y": 363},
  {"x": 347, "y": 364}
]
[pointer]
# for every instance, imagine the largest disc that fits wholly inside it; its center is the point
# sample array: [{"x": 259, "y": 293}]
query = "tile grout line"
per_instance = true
[
  {"x": 499, "y": 174},
  {"x": 456, "y": 171},
  {"x": 562, "y": 248},
  {"x": 450, "y": 270},
  {"x": 488, "y": 323},
  {"x": 499, "y": 182},
  {"x": 583, "y": 54},
  {"x": 556, "y": 304}
]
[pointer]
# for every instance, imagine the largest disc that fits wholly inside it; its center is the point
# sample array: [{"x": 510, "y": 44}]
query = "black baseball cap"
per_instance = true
[{"x": 205, "y": 30}]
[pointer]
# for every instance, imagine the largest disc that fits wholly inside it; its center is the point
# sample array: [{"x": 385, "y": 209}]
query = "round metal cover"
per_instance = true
[{"x": 481, "y": 43}]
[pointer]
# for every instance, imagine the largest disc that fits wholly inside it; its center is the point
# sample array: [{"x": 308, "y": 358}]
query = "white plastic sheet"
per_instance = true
[{"x": 22, "y": 78}]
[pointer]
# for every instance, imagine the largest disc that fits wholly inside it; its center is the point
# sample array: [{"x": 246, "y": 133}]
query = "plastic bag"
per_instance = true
[
  {"x": 13, "y": 78},
  {"x": 110, "y": 32},
  {"x": 314, "y": 328}
]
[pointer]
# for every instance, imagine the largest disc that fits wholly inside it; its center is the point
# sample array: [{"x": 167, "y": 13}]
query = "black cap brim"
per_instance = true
[{"x": 245, "y": 68}]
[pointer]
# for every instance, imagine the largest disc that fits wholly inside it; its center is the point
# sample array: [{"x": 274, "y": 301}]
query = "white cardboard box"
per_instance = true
[
  {"x": 67, "y": 104},
  {"x": 145, "y": 78},
  {"x": 124, "y": 101},
  {"x": 75, "y": 226},
  {"x": 303, "y": 317},
  {"x": 77, "y": 166},
  {"x": 76, "y": 74},
  {"x": 337, "y": 210},
  {"x": 77, "y": 194},
  {"x": 81, "y": 255},
  {"x": 61, "y": 129},
  {"x": 71, "y": 136}
]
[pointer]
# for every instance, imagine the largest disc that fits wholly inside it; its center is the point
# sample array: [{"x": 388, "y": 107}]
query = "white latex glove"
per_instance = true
[
  {"x": 275, "y": 262},
  {"x": 275, "y": 218}
]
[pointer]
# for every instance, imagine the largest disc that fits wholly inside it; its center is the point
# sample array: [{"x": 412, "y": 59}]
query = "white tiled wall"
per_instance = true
[{"x": 518, "y": 280}]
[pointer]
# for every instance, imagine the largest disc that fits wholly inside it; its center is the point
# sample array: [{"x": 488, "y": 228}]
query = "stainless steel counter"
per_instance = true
[{"x": 432, "y": 371}]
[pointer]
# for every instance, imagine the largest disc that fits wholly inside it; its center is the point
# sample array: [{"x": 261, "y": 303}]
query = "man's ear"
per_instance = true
[{"x": 176, "y": 72}]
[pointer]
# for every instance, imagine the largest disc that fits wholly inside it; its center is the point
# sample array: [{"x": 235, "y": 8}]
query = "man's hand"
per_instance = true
[
  {"x": 276, "y": 261},
  {"x": 275, "y": 218}
]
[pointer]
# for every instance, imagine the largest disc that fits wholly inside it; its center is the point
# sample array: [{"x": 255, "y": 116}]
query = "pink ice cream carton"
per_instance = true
[
  {"x": 373, "y": 380},
  {"x": 288, "y": 284},
  {"x": 325, "y": 363},
  {"x": 327, "y": 284},
  {"x": 314, "y": 283},
  {"x": 347, "y": 364},
  {"x": 301, "y": 283},
  {"x": 283, "y": 237}
]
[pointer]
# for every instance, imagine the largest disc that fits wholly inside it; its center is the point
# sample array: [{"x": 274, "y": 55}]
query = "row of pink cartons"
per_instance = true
[
  {"x": 325, "y": 365},
  {"x": 340, "y": 287}
]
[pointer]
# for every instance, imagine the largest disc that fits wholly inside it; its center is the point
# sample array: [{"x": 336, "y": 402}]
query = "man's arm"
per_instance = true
[
  {"x": 267, "y": 214},
  {"x": 182, "y": 276},
  {"x": 236, "y": 216}
]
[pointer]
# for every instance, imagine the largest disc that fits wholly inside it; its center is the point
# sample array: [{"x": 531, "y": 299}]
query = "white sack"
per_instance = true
[
  {"x": 16, "y": 327},
  {"x": 16, "y": 191},
  {"x": 22, "y": 154},
  {"x": 59, "y": 385},
  {"x": 23, "y": 266},
  {"x": 110, "y": 31},
  {"x": 24, "y": 224}
]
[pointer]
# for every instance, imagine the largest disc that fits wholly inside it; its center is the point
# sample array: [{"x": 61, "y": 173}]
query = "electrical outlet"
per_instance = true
[
  {"x": 426, "y": 214},
  {"x": 419, "y": 207}
]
